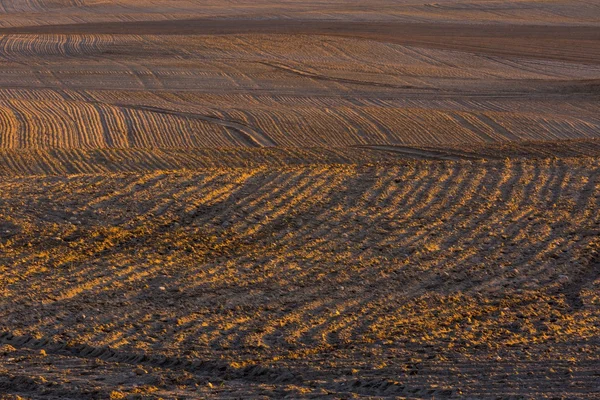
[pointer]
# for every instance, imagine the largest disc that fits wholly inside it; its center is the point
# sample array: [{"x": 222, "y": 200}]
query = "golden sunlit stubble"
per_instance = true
[{"x": 281, "y": 199}]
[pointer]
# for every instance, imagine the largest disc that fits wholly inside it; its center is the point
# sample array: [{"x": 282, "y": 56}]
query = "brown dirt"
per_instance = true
[
  {"x": 259, "y": 199},
  {"x": 572, "y": 43},
  {"x": 305, "y": 281}
]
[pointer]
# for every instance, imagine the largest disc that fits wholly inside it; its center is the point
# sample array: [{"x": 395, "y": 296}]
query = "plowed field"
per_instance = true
[{"x": 260, "y": 199}]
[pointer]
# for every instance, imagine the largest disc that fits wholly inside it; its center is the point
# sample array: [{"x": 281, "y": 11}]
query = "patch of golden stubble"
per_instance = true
[{"x": 345, "y": 275}]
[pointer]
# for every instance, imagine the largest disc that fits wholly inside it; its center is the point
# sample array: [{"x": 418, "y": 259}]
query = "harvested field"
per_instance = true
[
  {"x": 260, "y": 199},
  {"x": 215, "y": 91},
  {"x": 339, "y": 281}
]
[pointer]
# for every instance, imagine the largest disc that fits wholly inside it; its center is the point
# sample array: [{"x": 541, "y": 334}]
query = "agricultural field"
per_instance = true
[{"x": 299, "y": 199}]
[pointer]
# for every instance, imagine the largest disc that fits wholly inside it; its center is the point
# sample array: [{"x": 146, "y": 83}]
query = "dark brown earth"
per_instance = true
[
  {"x": 567, "y": 43},
  {"x": 409, "y": 279}
]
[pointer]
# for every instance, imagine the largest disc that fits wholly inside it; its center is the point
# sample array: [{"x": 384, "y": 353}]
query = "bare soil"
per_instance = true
[
  {"x": 575, "y": 43},
  {"x": 259, "y": 199}
]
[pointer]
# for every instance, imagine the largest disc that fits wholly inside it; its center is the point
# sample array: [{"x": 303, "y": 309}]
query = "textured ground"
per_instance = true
[
  {"x": 419, "y": 279},
  {"x": 259, "y": 199}
]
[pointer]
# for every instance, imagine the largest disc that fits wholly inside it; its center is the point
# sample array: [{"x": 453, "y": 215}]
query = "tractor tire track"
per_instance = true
[
  {"x": 313, "y": 75},
  {"x": 422, "y": 154},
  {"x": 222, "y": 370},
  {"x": 245, "y": 134}
]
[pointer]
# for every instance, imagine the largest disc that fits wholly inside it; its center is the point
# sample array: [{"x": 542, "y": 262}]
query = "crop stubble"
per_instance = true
[{"x": 341, "y": 200}]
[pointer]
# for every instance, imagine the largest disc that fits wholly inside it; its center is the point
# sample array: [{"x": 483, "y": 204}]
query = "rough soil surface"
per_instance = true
[
  {"x": 421, "y": 279},
  {"x": 260, "y": 199}
]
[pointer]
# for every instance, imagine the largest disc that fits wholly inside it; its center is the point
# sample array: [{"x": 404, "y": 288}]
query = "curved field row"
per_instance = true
[
  {"x": 152, "y": 91},
  {"x": 16, "y": 6},
  {"x": 25, "y": 162},
  {"x": 47, "y": 47},
  {"x": 78, "y": 125},
  {"x": 258, "y": 59},
  {"x": 44, "y": 12},
  {"x": 86, "y": 123},
  {"x": 317, "y": 270},
  {"x": 73, "y": 161},
  {"x": 514, "y": 11}
]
